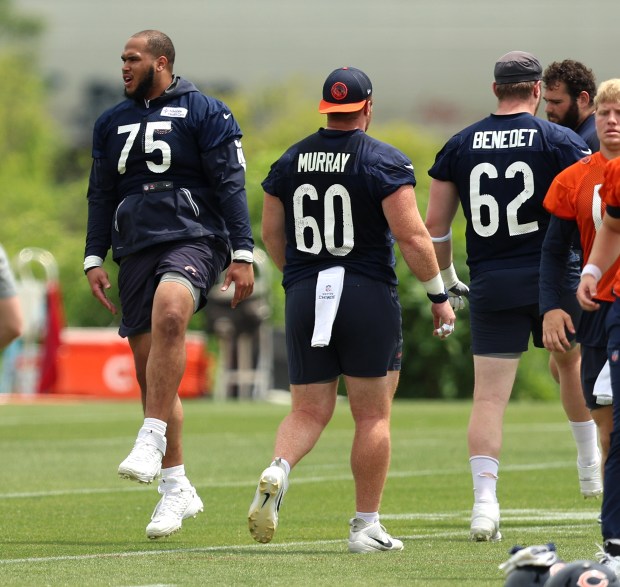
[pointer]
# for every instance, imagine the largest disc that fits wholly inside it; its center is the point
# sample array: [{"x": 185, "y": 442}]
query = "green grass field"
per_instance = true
[{"x": 67, "y": 519}]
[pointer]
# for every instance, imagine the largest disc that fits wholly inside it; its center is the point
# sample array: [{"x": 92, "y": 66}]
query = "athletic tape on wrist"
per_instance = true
[
  {"x": 593, "y": 270},
  {"x": 449, "y": 276},
  {"x": 92, "y": 261}
]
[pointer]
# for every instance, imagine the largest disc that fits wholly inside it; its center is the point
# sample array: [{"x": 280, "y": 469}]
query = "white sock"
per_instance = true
[
  {"x": 173, "y": 478},
  {"x": 176, "y": 471},
  {"x": 287, "y": 467},
  {"x": 368, "y": 517},
  {"x": 153, "y": 426},
  {"x": 484, "y": 474},
  {"x": 585, "y": 436}
]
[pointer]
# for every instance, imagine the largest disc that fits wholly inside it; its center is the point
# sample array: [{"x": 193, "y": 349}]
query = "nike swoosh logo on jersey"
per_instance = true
[
  {"x": 409, "y": 166},
  {"x": 226, "y": 116},
  {"x": 588, "y": 152}
]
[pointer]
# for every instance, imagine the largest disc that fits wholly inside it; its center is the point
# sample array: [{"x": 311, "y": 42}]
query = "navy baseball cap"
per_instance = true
[
  {"x": 345, "y": 90},
  {"x": 517, "y": 66}
]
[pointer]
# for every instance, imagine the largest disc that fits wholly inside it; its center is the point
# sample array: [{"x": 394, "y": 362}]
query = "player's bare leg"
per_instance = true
[
  {"x": 494, "y": 379},
  {"x": 370, "y": 400},
  {"x": 312, "y": 406},
  {"x": 160, "y": 362},
  {"x": 371, "y": 403}
]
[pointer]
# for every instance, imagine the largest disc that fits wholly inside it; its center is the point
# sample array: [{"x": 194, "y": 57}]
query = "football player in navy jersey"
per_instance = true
[
  {"x": 334, "y": 205},
  {"x": 498, "y": 170},
  {"x": 167, "y": 195},
  {"x": 569, "y": 92}
]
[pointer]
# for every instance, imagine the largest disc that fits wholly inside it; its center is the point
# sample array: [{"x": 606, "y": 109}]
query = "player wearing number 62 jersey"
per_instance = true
[
  {"x": 167, "y": 195},
  {"x": 498, "y": 170},
  {"x": 334, "y": 205}
]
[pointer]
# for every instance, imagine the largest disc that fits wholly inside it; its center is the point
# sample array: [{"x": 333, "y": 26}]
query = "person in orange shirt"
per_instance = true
[
  {"x": 573, "y": 198},
  {"x": 590, "y": 294}
]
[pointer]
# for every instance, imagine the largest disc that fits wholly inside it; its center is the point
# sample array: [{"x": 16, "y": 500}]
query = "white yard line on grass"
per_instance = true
[
  {"x": 280, "y": 545},
  {"x": 297, "y": 480}
]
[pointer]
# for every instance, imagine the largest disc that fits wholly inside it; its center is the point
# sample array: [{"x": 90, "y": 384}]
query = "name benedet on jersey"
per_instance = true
[{"x": 503, "y": 139}]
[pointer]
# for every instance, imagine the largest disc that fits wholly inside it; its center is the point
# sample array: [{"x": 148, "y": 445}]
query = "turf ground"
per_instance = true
[{"x": 67, "y": 519}]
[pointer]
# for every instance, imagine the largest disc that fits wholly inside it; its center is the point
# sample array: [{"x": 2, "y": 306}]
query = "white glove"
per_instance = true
[
  {"x": 538, "y": 556},
  {"x": 457, "y": 290}
]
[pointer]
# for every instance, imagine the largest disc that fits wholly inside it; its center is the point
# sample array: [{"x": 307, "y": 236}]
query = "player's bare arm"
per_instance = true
[
  {"x": 443, "y": 203},
  {"x": 414, "y": 242},
  {"x": 605, "y": 251},
  {"x": 273, "y": 233}
]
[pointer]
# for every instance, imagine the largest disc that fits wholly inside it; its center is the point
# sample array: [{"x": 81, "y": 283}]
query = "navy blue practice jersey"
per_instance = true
[
  {"x": 332, "y": 185},
  {"x": 502, "y": 167},
  {"x": 167, "y": 169}
]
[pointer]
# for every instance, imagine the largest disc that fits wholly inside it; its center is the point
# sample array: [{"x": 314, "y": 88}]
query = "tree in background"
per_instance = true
[{"x": 44, "y": 205}]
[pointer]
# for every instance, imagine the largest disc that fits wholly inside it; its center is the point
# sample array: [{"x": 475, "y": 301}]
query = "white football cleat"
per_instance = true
[
  {"x": 175, "y": 506},
  {"x": 144, "y": 461},
  {"x": 263, "y": 513},
  {"x": 590, "y": 480},
  {"x": 370, "y": 537},
  {"x": 485, "y": 523}
]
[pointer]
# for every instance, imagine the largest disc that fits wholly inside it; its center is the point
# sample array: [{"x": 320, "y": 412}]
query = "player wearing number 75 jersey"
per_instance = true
[
  {"x": 334, "y": 205},
  {"x": 499, "y": 170},
  {"x": 167, "y": 195}
]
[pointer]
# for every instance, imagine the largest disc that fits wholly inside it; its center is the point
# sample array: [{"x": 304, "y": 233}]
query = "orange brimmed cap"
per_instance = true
[{"x": 345, "y": 90}]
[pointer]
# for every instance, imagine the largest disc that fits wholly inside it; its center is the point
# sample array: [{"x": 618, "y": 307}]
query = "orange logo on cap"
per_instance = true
[{"x": 339, "y": 91}]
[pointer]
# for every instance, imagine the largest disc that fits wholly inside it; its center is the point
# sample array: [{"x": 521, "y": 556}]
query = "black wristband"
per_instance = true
[
  {"x": 242, "y": 261},
  {"x": 438, "y": 298}
]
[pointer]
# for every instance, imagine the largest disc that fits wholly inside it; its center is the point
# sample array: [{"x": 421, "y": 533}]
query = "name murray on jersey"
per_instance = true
[{"x": 321, "y": 162}]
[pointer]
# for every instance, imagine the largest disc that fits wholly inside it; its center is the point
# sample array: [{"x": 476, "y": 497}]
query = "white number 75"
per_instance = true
[{"x": 150, "y": 145}]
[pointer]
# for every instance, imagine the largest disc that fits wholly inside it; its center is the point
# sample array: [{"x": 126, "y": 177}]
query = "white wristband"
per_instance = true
[
  {"x": 92, "y": 261},
  {"x": 434, "y": 286},
  {"x": 442, "y": 239},
  {"x": 592, "y": 270},
  {"x": 449, "y": 276},
  {"x": 244, "y": 256}
]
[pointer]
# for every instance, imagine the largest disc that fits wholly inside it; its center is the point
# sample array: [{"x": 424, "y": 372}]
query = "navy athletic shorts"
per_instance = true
[
  {"x": 508, "y": 331},
  {"x": 592, "y": 336},
  {"x": 366, "y": 337},
  {"x": 201, "y": 261}
]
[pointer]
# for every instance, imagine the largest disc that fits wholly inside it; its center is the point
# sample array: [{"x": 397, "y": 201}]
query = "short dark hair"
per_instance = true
[
  {"x": 520, "y": 90},
  {"x": 158, "y": 43},
  {"x": 577, "y": 77}
]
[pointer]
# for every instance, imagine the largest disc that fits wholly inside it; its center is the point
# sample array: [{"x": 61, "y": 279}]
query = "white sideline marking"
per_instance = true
[
  {"x": 316, "y": 479},
  {"x": 514, "y": 515}
]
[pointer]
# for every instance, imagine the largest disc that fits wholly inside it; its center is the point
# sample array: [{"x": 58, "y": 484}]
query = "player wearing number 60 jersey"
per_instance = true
[
  {"x": 167, "y": 194},
  {"x": 332, "y": 186},
  {"x": 499, "y": 170},
  {"x": 334, "y": 205}
]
